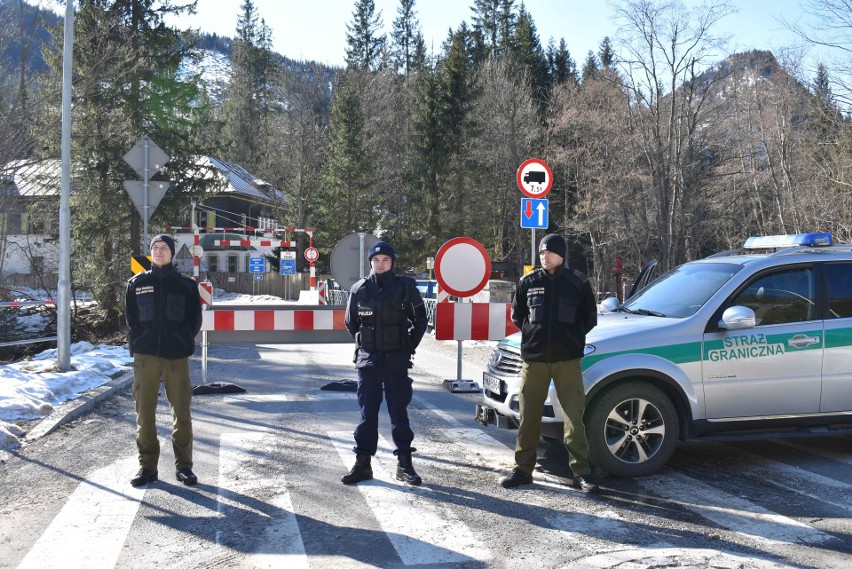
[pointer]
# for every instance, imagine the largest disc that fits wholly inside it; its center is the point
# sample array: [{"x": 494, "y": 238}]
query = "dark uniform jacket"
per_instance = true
[
  {"x": 554, "y": 314},
  {"x": 163, "y": 312},
  {"x": 386, "y": 316}
]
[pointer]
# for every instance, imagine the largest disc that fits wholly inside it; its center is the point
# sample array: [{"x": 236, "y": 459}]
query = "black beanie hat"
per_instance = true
[
  {"x": 165, "y": 239},
  {"x": 381, "y": 248},
  {"x": 553, "y": 243}
]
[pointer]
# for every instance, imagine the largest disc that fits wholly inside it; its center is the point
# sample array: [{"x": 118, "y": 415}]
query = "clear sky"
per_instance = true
[{"x": 316, "y": 30}]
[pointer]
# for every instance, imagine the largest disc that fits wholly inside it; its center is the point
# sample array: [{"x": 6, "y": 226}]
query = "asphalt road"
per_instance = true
[{"x": 269, "y": 463}]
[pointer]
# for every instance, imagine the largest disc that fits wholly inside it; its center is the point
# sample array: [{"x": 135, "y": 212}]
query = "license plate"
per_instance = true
[{"x": 492, "y": 383}]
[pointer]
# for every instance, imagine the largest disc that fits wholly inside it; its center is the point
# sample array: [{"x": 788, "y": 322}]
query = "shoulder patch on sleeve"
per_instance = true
[{"x": 580, "y": 275}]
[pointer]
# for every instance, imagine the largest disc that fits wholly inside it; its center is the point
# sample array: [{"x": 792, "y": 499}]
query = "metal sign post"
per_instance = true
[
  {"x": 146, "y": 159},
  {"x": 462, "y": 267},
  {"x": 534, "y": 178}
]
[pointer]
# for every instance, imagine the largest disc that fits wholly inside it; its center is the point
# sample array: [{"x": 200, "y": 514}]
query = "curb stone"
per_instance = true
[{"x": 75, "y": 408}]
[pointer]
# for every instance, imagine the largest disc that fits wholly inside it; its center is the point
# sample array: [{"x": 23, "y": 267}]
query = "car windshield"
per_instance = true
[{"x": 681, "y": 292}]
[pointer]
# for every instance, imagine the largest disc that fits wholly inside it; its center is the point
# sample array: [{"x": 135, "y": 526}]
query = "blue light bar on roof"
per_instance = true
[{"x": 819, "y": 239}]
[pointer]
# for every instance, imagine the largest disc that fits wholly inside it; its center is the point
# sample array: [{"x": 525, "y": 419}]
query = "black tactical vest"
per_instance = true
[{"x": 383, "y": 323}]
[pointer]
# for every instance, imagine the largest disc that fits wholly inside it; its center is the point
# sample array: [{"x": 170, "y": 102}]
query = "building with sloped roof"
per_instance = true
[{"x": 28, "y": 245}]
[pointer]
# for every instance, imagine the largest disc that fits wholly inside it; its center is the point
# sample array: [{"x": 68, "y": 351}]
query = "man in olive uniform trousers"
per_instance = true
[
  {"x": 386, "y": 316},
  {"x": 554, "y": 307},
  {"x": 163, "y": 312}
]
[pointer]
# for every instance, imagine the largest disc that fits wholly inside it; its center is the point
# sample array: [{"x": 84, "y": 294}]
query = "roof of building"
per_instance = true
[
  {"x": 31, "y": 178},
  {"x": 240, "y": 181},
  {"x": 37, "y": 178}
]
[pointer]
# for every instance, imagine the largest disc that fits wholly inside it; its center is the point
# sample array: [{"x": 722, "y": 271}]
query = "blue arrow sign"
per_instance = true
[{"x": 534, "y": 213}]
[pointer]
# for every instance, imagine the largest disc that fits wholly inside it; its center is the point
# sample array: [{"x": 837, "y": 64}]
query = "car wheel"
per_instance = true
[{"x": 632, "y": 429}]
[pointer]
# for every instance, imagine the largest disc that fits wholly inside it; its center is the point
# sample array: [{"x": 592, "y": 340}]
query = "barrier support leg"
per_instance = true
[
  {"x": 204, "y": 345},
  {"x": 460, "y": 385}
]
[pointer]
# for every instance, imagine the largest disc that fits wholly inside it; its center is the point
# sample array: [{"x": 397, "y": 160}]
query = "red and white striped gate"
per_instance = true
[{"x": 473, "y": 321}]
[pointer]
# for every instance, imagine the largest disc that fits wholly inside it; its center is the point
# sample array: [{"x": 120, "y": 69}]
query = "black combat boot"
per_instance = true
[
  {"x": 360, "y": 471},
  {"x": 405, "y": 470}
]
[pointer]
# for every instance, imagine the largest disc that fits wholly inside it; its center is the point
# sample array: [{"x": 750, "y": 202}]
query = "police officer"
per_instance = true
[
  {"x": 386, "y": 316},
  {"x": 554, "y": 307},
  {"x": 163, "y": 312}
]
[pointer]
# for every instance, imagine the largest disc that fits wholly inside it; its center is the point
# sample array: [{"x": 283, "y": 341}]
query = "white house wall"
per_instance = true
[{"x": 20, "y": 248}]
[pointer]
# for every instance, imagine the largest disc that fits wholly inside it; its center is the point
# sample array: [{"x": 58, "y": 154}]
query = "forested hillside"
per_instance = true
[{"x": 662, "y": 144}]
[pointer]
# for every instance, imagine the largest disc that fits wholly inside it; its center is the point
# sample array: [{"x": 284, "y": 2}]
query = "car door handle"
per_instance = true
[{"x": 801, "y": 341}]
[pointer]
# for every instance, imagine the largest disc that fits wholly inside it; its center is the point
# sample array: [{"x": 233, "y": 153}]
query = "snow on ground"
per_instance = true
[{"x": 31, "y": 389}]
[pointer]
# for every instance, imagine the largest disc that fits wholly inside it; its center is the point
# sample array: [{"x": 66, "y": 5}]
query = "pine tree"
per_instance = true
[
  {"x": 407, "y": 46},
  {"x": 605, "y": 54},
  {"x": 365, "y": 44},
  {"x": 528, "y": 52},
  {"x": 562, "y": 67},
  {"x": 440, "y": 111},
  {"x": 345, "y": 198},
  {"x": 590, "y": 67},
  {"x": 126, "y": 85},
  {"x": 247, "y": 106},
  {"x": 494, "y": 23}
]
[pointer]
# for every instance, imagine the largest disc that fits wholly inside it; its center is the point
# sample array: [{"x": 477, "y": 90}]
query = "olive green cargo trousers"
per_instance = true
[
  {"x": 147, "y": 371},
  {"x": 535, "y": 383}
]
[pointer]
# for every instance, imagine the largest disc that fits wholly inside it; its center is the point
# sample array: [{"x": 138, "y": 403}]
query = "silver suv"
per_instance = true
[{"x": 753, "y": 339}]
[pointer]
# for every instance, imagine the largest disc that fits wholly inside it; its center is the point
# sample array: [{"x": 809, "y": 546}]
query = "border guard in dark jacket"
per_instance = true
[
  {"x": 555, "y": 308},
  {"x": 163, "y": 312},
  {"x": 386, "y": 316}
]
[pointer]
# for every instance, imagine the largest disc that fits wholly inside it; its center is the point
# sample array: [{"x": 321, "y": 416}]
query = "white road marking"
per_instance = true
[
  {"x": 732, "y": 512},
  {"x": 442, "y": 414},
  {"x": 245, "y": 485},
  {"x": 92, "y": 526},
  {"x": 794, "y": 479},
  {"x": 420, "y": 530},
  {"x": 837, "y": 456}
]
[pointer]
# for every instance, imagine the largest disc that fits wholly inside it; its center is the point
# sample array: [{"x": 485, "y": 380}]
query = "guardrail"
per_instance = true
[{"x": 25, "y": 341}]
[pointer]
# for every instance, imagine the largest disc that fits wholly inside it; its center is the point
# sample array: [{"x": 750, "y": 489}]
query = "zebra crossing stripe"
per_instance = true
[
  {"x": 793, "y": 479},
  {"x": 824, "y": 453},
  {"x": 732, "y": 512},
  {"x": 91, "y": 528},
  {"x": 420, "y": 530},
  {"x": 726, "y": 510},
  {"x": 245, "y": 488}
]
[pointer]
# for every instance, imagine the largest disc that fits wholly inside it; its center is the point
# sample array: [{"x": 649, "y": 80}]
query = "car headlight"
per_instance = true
[{"x": 588, "y": 349}]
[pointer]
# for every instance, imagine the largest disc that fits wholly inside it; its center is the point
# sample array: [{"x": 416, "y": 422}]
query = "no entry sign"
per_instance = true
[{"x": 462, "y": 267}]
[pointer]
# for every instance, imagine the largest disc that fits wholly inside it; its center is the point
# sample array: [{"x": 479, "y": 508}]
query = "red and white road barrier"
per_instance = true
[
  {"x": 252, "y": 243},
  {"x": 270, "y": 326},
  {"x": 205, "y": 291},
  {"x": 17, "y": 304},
  {"x": 473, "y": 321},
  {"x": 219, "y": 320},
  {"x": 240, "y": 229}
]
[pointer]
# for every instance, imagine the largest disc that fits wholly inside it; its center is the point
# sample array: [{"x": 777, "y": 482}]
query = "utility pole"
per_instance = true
[{"x": 63, "y": 310}]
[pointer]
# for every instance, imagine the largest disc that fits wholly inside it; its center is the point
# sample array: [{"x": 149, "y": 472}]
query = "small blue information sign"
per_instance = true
[
  {"x": 534, "y": 213},
  {"x": 257, "y": 264},
  {"x": 288, "y": 267},
  {"x": 258, "y": 277}
]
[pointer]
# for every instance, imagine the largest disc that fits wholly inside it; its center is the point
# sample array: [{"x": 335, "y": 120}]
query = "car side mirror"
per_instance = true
[
  {"x": 609, "y": 304},
  {"x": 737, "y": 318}
]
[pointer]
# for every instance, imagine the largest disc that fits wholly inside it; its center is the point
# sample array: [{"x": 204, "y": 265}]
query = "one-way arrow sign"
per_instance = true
[{"x": 534, "y": 213}]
